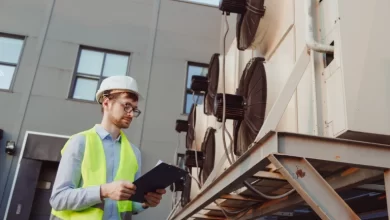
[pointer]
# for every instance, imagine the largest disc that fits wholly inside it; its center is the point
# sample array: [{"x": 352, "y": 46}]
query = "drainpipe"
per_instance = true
[
  {"x": 310, "y": 34},
  {"x": 312, "y": 44},
  {"x": 149, "y": 60}
]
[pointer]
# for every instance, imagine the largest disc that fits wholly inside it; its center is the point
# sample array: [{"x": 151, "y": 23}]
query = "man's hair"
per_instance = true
[{"x": 109, "y": 95}]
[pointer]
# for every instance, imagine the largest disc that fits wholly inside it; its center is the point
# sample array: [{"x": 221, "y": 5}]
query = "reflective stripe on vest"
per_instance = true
[{"x": 93, "y": 172}]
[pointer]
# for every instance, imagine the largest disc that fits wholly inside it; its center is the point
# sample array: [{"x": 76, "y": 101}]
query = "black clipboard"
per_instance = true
[{"x": 160, "y": 177}]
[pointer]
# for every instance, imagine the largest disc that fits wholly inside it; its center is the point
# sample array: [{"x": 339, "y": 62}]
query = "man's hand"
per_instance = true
[
  {"x": 118, "y": 190},
  {"x": 153, "y": 199}
]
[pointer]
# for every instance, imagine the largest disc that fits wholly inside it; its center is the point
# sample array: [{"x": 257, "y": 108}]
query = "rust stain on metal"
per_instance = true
[
  {"x": 300, "y": 173},
  {"x": 338, "y": 157}
]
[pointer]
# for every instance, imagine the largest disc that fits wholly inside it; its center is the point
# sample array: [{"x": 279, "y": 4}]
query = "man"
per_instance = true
[{"x": 98, "y": 166}]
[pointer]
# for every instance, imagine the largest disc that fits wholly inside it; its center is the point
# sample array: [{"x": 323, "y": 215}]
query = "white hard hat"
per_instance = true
[{"x": 117, "y": 82}]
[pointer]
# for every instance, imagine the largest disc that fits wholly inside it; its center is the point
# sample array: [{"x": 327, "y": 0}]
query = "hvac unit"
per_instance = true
[
  {"x": 246, "y": 107},
  {"x": 208, "y": 84},
  {"x": 356, "y": 83}
]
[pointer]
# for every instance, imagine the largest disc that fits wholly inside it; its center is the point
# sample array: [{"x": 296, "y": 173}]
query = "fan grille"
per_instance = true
[
  {"x": 208, "y": 149},
  {"x": 248, "y": 22},
  {"x": 213, "y": 79},
  {"x": 191, "y": 127},
  {"x": 253, "y": 89}
]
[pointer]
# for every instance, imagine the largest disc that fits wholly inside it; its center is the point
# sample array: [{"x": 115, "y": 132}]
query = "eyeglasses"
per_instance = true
[{"x": 129, "y": 108}]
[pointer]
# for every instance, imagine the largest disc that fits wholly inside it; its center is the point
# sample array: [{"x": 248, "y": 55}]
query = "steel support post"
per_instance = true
[
  {"x": 313, "y": 188},
  {"x": 387, "y": 188}
]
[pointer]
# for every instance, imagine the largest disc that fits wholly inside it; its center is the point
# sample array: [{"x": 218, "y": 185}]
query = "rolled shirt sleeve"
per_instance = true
[{"x": 66, "y": 195}]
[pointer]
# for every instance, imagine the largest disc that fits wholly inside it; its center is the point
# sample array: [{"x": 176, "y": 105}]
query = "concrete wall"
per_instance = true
[{"x": 158, "y": 62}]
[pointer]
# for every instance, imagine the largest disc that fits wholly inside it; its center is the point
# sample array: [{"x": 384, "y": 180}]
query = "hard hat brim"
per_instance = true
[{"x": 99, "y": 94}]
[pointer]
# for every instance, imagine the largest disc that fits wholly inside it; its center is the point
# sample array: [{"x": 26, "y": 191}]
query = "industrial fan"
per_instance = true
[
  {"x": 208, "y": 149},
  {"x": 208, "y": 84},
  {"x": 247, "y": 107},
  {"x": 247, "y": 23},
  {"x": 192, "y": 158}
]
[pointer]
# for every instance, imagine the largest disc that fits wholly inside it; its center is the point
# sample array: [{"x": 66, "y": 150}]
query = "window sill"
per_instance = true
[
  {"x": 6, "y": 90},
  {"x": 82, "y": 101}
]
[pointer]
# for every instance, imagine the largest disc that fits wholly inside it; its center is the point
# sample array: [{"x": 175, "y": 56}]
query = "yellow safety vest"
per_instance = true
[{"x": 93, "y": 172}]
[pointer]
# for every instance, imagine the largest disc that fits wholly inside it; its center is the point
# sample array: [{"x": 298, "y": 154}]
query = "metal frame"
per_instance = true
[
  {"x": 17, "y": 64},
  {"x": 20, "y": 159},
  {"x": 99, "y": 78},
  {"x": 290, "y": 154},
  {"x": 289, "y": 150}
]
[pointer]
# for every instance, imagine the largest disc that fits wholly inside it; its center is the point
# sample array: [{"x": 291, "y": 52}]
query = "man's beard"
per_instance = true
[{"x": 121, "y": 122}]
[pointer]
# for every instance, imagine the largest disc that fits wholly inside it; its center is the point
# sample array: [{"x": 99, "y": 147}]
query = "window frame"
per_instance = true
[
  {"x": 188, "y": 91},
  {"x": 198, "y": 3},
  {"x": 17, "y": 65},
  {"x": 100, "y": 77}
]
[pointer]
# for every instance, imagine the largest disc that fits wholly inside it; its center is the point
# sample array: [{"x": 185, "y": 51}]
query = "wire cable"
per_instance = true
[
  {"x": 195, "y": 103},
  {"x": 253, "y": 189},
  {"x": 173, "y": 210},
  {"x": 224, "y": 92}
]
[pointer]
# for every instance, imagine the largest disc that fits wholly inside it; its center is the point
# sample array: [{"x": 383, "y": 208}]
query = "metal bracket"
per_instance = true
[{"x": 313, "y": 188}]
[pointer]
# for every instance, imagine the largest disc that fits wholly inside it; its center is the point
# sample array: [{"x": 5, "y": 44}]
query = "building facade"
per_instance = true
[{"x": 54, "y": 54}]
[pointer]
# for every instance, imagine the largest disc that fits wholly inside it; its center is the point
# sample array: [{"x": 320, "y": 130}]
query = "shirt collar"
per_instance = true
[{"x": 103, "y": 134}]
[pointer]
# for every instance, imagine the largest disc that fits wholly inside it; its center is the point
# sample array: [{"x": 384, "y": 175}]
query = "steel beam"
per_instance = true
[
  {"x": 338, "y": 182},
  {"x": 356, "y": 153},
  {"x": 313, "y": 188}
]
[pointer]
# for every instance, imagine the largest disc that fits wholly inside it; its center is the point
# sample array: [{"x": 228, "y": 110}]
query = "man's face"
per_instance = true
[{"x": 121, "y": 110}]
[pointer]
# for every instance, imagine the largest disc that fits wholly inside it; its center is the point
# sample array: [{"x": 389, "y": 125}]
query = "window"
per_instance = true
[
  {"x": 190, "y": 98},
  {"x": 94, "y": 65},
  {"x": 10, "y": 50}
]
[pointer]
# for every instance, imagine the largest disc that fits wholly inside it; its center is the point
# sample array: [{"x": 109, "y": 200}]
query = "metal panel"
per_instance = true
[
  {"x": 336, "y": 119},
  {"x": 335, "y": 150},
  {"x": 23, "y": 196},
  {"x": 366, "y": 73},
  {"x": 41, "y": 147}
]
